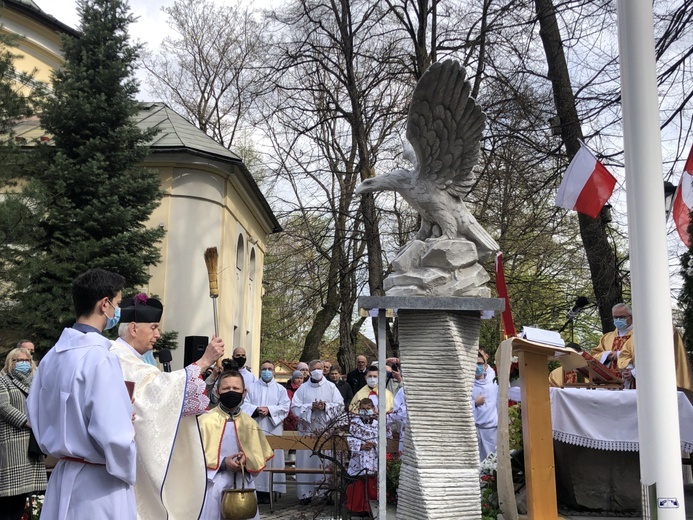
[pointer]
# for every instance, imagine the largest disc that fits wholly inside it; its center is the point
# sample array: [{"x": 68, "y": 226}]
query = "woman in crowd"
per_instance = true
[
  {"x": 291, "y": 421},
  {"x": 21, "y": 462}
]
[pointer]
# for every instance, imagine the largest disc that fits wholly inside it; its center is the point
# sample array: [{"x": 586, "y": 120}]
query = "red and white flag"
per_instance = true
[
  {"x": 587, "y": 184},
  {"x": 683, "y": 201}
]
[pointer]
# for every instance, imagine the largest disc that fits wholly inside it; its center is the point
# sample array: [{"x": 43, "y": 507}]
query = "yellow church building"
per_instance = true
[{"x": 210, "y": 199}]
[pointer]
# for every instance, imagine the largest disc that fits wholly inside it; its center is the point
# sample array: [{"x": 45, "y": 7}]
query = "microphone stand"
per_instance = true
[
  {"x": 572, "y": 328},
  {"x": 570, "y": 321}
]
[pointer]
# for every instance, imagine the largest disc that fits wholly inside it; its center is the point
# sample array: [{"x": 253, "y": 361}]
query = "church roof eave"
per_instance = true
[{"x": 33, "y": 11}]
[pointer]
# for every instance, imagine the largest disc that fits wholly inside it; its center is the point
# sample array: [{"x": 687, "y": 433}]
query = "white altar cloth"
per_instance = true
[{"x": 605, "y": 419}]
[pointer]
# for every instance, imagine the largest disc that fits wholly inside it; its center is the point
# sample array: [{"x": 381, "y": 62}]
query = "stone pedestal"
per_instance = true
[
  {"x": 439, "y": 477},
  {"x": 439, "y": 341}
]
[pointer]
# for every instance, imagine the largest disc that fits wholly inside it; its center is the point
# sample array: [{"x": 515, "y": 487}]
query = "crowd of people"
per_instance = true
[
  {"x": 135, "y": 442},
  {"x": 132, "y": 441}
]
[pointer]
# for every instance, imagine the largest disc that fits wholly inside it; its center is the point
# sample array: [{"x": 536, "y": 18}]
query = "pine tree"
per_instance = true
[
  {"x": 17, "y": 221},
  {"x": 93, "y": 197}
]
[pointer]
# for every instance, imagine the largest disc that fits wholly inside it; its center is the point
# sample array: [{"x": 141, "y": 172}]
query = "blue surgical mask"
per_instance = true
[
  {"x": 621, "y": 324},
  {"x": 266, "y": 375},
  {"x": 479, "y": 370},
  {"x": 112, "y": 322},
  {"x": 23, "y": 367},
  {"x": 366, "y": 412}
]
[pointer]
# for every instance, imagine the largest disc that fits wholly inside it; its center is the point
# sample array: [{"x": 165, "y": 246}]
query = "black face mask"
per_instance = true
[
  {"x": 231, "y": 399},
  {"x": 240, "y": 361}
]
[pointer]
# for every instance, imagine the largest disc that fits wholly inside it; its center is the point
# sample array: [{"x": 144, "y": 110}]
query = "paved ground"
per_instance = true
[{"x": 288, "y": 508}]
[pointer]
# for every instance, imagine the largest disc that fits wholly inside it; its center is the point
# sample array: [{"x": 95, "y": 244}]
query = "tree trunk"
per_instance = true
[
  {"x": 322, "y": 320},
  {"x": 600, "y": 255}
]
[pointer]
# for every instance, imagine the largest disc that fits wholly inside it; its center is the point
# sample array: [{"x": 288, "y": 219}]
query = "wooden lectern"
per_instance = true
[{"x": 537, "y": 435}]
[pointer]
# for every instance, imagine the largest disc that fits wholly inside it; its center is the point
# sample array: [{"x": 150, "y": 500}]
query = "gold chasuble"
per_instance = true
[
  {"x": 611, "y": 341},
  {"x": 251, "y": 439},
  {"x": 171, "y": 475},
  {"x": 684, "y": 376},
  {"x": 558, "y": 378}
]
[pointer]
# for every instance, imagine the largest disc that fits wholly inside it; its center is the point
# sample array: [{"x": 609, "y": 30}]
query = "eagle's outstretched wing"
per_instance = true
[{"x": 444, "y": 128}]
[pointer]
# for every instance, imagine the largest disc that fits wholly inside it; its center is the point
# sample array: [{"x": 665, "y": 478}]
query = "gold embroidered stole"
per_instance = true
[
  {"x": 251, "y": 439},
  {"x": 616, "y": 346}
]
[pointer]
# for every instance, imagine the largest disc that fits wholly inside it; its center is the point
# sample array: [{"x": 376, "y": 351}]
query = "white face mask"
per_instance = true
[
  {"x": 316, "y": 375},
  {"x": 372, "y": 382}
]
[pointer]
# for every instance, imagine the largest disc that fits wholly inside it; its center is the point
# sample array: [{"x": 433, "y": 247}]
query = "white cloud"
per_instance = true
[{"x": 150, "y": 27}]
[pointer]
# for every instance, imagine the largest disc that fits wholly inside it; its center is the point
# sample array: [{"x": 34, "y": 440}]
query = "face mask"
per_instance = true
[
  {"x": 231, "y": 399},
  {"x": 367, "y": 412},
  {"x": 266, "y": 375},
  {"x": 112, "y": 322},
  {"x": 479, "y": 370},
  {"x": 621, "y": 323},
  {"x": 23, "y": 367},
  {"x": 240, "y": 361},
  {"x": 372, "y": 382},
  {"x": 316, "y": 375}
]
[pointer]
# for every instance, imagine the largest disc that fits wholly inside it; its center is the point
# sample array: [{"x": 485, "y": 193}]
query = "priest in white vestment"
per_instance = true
[
  {"x": 170, "y": 458},
  {"x": 236, "y": 449},
  {"x": 316, "y": 403},
  {"x": 81, "y": 413},
  {"x": 268, "y": 403}
]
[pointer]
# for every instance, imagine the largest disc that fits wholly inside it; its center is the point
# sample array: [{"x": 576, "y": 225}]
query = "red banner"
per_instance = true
[{"x": 502, "y": 290}]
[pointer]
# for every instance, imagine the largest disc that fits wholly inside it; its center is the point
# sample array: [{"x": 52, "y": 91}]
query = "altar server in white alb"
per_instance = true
[
  {"x": 236, "y": 449},
  {"x": 485, "y": 407},
  {"x": 268, "y": 403},
  {"x": 316, "y": 403},
  {"x": 81, "y": 413},
  {"x": 169, "y": 448}
]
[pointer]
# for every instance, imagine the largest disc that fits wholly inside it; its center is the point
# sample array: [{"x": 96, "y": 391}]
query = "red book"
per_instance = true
[{"x": 597, "y": 372}]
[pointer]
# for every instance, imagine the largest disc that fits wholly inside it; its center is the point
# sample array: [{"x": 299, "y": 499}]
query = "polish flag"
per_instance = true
[
  {"x": 683, "y": 201},
  {"x": 586, "y": 186}
]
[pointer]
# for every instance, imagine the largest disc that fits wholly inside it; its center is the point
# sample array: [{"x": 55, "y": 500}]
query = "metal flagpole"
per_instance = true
[
  {"x": 658, "y": 422},
  {"x": 382, "y": 416}
]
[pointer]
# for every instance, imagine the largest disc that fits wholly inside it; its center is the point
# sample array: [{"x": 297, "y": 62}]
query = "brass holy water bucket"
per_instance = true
[{"x": 238, "y": 504}]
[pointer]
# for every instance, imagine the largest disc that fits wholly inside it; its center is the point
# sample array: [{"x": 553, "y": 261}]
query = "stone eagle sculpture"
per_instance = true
[{"x": 444, "y": 129}]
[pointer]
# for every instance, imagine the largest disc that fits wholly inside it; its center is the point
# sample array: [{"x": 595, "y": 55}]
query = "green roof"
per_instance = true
[{"x": 176, "y": 132}]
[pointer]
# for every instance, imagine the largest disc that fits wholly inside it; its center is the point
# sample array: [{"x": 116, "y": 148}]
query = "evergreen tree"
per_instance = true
[
  {"x": 93, "y": 197},
  {"x": 17, "y": 221}
]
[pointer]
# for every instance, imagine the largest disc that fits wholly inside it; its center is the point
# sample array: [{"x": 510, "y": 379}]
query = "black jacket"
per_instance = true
[
  {"x": 356, "y": 379},
  {"x": 346, "y": 392}
]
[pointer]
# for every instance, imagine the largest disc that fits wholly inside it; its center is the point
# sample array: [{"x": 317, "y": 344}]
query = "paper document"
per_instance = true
[{"x": 549, "y": 337}]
